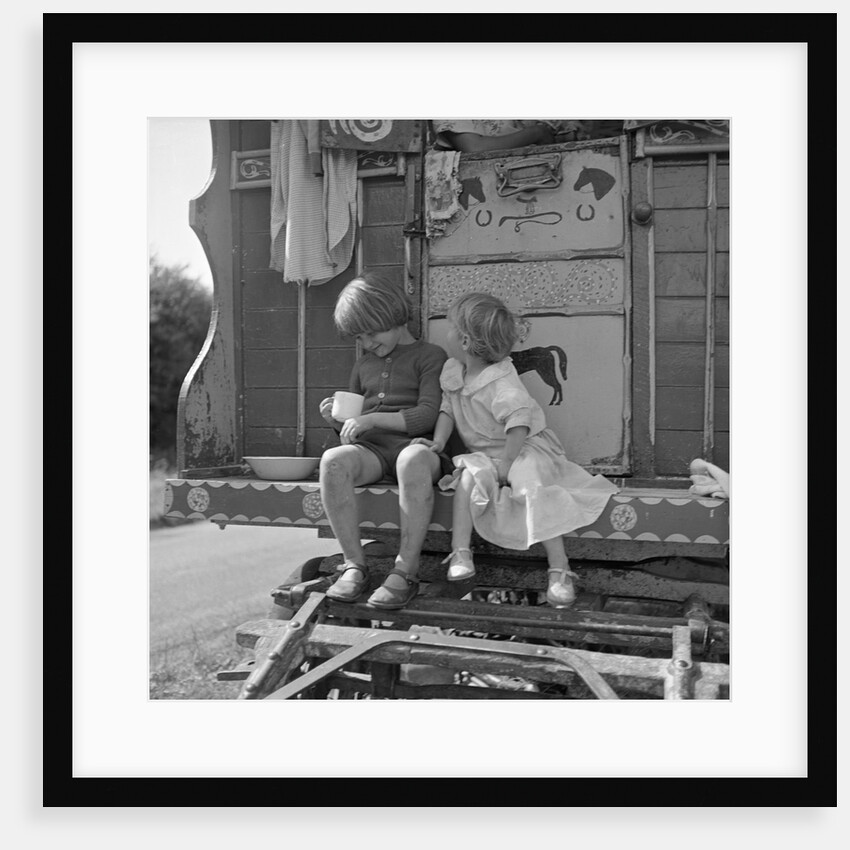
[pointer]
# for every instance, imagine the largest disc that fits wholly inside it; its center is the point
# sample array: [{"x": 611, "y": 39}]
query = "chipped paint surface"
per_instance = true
[
  {"x": 206, "y": 429},
  {"x": 207, "y": 415}
]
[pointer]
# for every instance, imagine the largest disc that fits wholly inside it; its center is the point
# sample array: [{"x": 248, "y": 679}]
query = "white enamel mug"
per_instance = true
[{"x": 346, "y": 405}]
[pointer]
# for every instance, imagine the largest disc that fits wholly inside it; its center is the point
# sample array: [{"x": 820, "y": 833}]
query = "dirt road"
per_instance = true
[{"x": 200, "y": 574}]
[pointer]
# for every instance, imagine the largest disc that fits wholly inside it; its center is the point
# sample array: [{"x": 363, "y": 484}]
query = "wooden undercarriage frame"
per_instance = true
[{"x": 654, "y": 630}]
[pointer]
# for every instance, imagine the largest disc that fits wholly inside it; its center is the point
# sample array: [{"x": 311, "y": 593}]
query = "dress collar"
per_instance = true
[{"x": 453, "y": 377}]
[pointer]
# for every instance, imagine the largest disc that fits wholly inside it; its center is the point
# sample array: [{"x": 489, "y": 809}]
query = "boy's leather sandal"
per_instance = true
[
  {"x": 390, "y": 599},
  {"x": 349, "y": 590}
]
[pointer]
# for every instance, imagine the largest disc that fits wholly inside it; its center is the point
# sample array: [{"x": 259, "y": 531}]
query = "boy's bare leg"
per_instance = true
[
  {"x": 417, "y": 468},
  {"x": 341, "y": 470}
]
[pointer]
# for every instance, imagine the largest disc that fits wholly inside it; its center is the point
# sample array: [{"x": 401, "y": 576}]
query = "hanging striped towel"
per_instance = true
[{"x": 313, "y": 217}]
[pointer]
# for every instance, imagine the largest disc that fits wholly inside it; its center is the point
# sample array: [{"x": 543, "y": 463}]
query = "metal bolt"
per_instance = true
[
  {"x": 541, "y": 651},
  {"x": 294, "y": 624},
  {"x": 682, "y": 664},
  {"x": 414, "y": 637},
  {"x": 273, "y": 656}
]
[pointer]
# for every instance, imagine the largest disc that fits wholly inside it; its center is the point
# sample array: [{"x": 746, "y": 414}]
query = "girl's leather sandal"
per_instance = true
[
  {"x": 390, "y": 599},
  {"x": 559, "y": 594},
  {"x": 349, "y": 590},
  {"x": 461, "y": 567}
]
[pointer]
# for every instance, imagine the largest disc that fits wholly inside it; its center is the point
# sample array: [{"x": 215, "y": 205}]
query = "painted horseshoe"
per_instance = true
[
  {"x": 483, "y": 223},
  {"x": 581, "y": 217}
]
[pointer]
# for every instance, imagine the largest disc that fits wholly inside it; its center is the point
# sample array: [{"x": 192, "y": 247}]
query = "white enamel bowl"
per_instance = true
[{"x": 283, "y": 468}]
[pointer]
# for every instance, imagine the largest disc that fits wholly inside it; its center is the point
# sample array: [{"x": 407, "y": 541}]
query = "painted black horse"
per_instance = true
[{"x": 542, "y": 360}]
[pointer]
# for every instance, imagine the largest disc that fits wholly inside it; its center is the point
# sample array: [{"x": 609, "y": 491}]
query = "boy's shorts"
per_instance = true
[{"x": 387, "y": 446}]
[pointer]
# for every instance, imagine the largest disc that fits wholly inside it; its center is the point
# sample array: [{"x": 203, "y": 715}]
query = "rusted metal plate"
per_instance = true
[{"x": 636, "y": 515}]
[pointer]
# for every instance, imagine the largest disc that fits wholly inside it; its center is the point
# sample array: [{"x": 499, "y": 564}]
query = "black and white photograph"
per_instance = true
[
  {"x": 486, "y": 362},
  {"x": 434, "y": 420}
]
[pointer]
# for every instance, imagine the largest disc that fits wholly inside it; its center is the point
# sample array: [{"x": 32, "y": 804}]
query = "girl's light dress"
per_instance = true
[{"x": 547, "y": 495}]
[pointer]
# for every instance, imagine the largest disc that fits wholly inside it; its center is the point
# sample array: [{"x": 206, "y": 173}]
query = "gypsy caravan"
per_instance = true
[{"x": 611, "y": 243}]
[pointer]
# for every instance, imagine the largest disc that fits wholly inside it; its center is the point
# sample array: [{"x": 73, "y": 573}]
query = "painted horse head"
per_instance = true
[{"x": 600, "y": 181}]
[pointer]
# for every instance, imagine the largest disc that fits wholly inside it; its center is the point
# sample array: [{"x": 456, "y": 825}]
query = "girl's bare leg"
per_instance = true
[
  {"x": 461, "y": 566},
  {"x": 417, "y": 468},
  {"x": 561, "y": 592},
  {"x": 341, "y": 470},
  {"x": 461, "y": 513}
]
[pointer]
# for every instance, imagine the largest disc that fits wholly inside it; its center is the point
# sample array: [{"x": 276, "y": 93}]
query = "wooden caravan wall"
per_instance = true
[
  {"x": 547, "y": 234},
  {"x": 269, "y": 312},
  {"x": 681, "y": 274}
]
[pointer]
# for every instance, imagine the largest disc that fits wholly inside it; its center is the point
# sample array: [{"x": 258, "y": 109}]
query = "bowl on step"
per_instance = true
[{"x": 283, "y": 468}]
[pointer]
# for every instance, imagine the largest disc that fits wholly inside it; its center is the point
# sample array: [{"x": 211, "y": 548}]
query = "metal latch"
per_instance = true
[{"x": 531, "y": 173}]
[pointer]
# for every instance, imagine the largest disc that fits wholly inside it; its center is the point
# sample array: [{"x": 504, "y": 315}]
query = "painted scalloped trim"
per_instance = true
[
  {"x": 677, "y": 538},
  {"x": 706, "y": 538},
  {"x": 651, "y": 500},
  {"x": 288, "y": 488},
  {"x": 648, "y": 535}
]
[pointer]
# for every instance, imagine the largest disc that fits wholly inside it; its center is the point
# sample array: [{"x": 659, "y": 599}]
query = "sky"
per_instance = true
[{"x": 179, "y": 162}]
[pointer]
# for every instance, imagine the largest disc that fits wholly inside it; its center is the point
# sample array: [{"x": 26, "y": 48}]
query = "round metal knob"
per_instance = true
[{"x": 642, "y": 213}]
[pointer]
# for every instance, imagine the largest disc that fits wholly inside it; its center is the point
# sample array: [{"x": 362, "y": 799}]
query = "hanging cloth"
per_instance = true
[
  {"x": 442, "y": 190},
  {"x": 313, "y": 216}
]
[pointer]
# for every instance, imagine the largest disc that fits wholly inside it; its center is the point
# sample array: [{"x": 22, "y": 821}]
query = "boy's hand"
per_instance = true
[
  {"x": 354, "y": 426},
  {"x": 424, "y": 441},
  {"x": 325, "y": 407}
]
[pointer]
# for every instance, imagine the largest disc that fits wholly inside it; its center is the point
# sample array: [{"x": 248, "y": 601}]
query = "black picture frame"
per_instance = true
[{"x": 62, "y": 788}]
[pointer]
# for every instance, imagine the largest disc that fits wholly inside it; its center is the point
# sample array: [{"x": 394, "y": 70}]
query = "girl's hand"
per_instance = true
[
  {"x": 353, "y": 427},
  {"x": 423, "y": 441},
  {"x": 503, "y": 467}
]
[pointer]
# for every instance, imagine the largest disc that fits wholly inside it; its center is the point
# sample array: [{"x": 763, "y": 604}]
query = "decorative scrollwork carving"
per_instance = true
[
  {"x": 254, "y": 169},
  {"x": 365, "y": 129}
]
